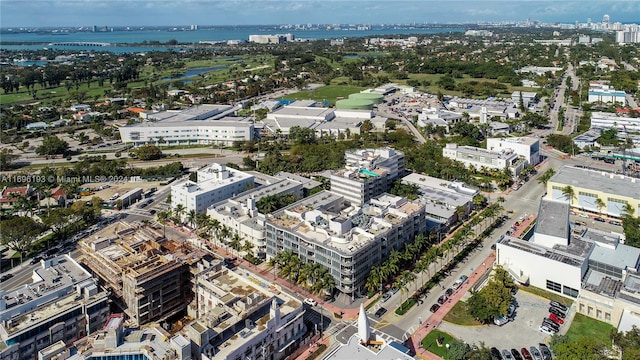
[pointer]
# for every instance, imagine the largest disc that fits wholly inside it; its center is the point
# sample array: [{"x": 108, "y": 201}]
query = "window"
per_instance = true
[
  {"x": 570, "y": 291},
  {"x": 607, "y": 317},
  {"x": 554, "y": 286}
]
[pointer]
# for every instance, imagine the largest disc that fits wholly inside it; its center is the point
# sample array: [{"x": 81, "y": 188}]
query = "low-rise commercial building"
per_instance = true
[
  {"x": 527, "y": 147},
  {"x": 485, "y": 159},
  {"x": 348, "y": 240},
  {"x": 215, "y": 183},
  {"x": 201, "y": 124},
  {"x": 605, "y": 121},
  {"x": 595, "y": 191},
  {"x": 607, "y": 95},
  {"x": 62, "y": 303},
  {"x": 594, "y": 267},
  {"x": 442, "y": 199}
]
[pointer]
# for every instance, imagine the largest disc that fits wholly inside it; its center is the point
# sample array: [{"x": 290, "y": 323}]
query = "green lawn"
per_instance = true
[
  {"x": 326, "y": 93},
  {"x": 429, "y": 342},
  {"x": 546, "y": 294},
  {"x": 586, "y": 327},
  {"x": 459, "y": 315}
]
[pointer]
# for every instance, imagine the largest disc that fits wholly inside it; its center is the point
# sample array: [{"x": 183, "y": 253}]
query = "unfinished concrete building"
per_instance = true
[{"x": 148, "y": 275}]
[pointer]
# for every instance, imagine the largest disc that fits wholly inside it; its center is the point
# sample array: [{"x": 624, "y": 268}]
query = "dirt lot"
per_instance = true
[{"x": 119, "y": 188}]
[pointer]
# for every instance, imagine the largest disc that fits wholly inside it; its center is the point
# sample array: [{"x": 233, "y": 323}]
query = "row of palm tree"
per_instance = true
[
  {"x": 423, "y": 254},
  {"x": 207, "y": 227},
  {"x": 312, "y": 276}
]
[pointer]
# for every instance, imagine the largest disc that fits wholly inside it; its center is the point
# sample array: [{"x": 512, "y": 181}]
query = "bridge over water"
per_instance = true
[{"x": 80, "y": 43}]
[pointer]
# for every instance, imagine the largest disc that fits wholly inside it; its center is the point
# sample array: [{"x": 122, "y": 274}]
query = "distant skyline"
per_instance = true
[{"x": 86, "y": 13}]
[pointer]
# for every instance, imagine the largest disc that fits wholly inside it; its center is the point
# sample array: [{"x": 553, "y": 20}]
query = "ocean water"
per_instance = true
[{"x": 138, "y": 37}]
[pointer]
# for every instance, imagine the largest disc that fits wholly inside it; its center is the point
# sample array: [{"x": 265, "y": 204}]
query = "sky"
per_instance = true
[{"x": 44, "y": 13}]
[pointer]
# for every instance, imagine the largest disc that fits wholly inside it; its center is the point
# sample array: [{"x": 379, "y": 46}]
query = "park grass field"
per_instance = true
[
  {"x": 429, "y": 342},
  {"x": 326, "y": 93}
]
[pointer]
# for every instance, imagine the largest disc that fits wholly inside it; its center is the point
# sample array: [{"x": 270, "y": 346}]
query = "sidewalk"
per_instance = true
[{"x": 433, "y": 321}]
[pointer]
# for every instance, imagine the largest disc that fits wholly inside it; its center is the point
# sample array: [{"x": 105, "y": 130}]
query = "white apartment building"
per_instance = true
[
  {"x": 367, "y": 173},
  {"x": 62, "y": 303},
  {"x": 527, "y": 147},
  {"x": 215, "y": 183},
  {"x": 201, "y": 124},
  {"x": 483, "y": 158},
  {"x": 239, "y": 319},
  {"x": 243, "y": 218},
  {"x": 604, "y": 121},
  {"x": 271, "y": 39},
  {"x": 347, "y": 240}
]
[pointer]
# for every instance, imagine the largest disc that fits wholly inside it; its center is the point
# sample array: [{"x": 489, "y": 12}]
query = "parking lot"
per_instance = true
[{"x": 522, "y": 331}]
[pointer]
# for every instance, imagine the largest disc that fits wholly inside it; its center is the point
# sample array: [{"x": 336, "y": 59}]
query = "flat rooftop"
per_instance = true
[
  {"x": 526, "y": 140},
  {"x": 605, "y": 182},
  {"x": 292, "y": 111},
  {"x": 486, "y": 153},
  {"x": 58, "y": 274},
  {"x": 621, "y": 257},
  {"x": 564, "y": 255},
  {"x": 306, "y": 182},
  {"x": 553, "y": 219}
]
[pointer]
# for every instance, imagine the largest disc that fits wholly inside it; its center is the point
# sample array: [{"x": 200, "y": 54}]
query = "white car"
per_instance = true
[{"x": 310, "y": 302}]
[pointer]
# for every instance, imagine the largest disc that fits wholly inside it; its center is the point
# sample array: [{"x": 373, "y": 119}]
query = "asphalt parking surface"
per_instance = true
[{"x": 522, "y": 331}]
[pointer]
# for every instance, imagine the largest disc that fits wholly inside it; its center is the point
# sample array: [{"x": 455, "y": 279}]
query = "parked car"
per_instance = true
[
  {"x": 535, "y": 353},
  {"x": 556, "y": 304},
  {"x": 614, "y": 222},
  {"x": 526, "y": 354},
  {"x": 35, "y": 260},
  {"x": 544, "y": 350},
  {"x": 550, "y": 324},
  {"x": 434, "y": 308},
  {"x": 599, "y": 219},
  {"x": 511, "y": 312},
  {"x": 442, "y": 299},
  {"x": 506, "y": 355},
  {"x": 310, "y": 302},
  {"x": 394, "y": 290},
  {"x": 448, "y": 292},
  {"x": 557, "y": 312},
  {"x": 516, "y": 354},
  {"x": 547, "y": 330},
  {"x": 495, "y": 353},
  {"x": 501, "y": 320},
  {"x": 556, "y": 319},
  {"x": 381, "y": 312},
  {"x": 386, "y": 296},
  {"x": 5, "y": 277}
]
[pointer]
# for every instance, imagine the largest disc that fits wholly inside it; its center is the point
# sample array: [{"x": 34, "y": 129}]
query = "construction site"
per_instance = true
[{"x": 149, "y": 275}]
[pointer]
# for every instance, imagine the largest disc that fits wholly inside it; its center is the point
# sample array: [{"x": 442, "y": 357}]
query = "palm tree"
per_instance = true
[
  {"x": 248, "y": 247},
  {"x": 202, "y": 220},
  {"x": 223, "y": 235},
  {"x": 569, "y": 193},
  {"x": 191, "y": 217},
  {"x": 546, "y": 176},
  {"x": 236, "y": 243},
  {"x": 214, "y": 227},
  {"x": 628, "y": 211},
  {"x": 600, "y": 204},
  {"x": 162, "y": 217},
  {"x": 178, "y": 211}
]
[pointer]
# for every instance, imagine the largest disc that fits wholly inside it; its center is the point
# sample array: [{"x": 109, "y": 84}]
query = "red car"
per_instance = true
[
  {"x": 556, "y": 319},
  {"x": 525, "y": 354}
]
